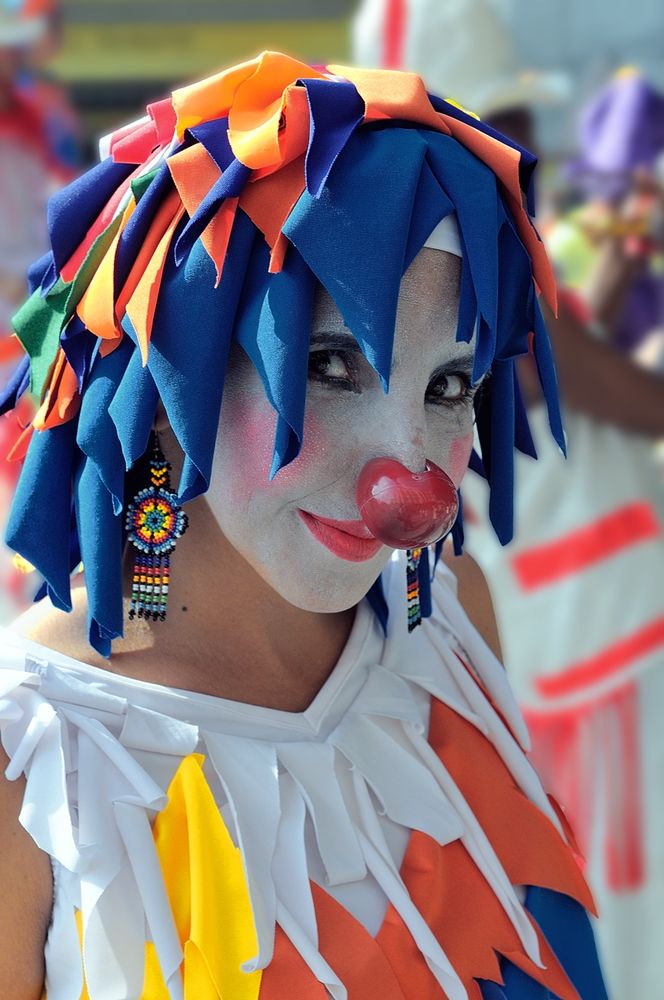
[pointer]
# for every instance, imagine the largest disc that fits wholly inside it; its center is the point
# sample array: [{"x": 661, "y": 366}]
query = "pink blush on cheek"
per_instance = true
[
  {"x": 460, "y": 450},
  {"x": 313, "y": 455},
  {"x": 247, "y": 441}
]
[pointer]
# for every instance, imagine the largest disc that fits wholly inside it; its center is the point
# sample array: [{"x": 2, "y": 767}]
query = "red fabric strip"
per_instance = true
[
  {"x": 580, "y": 549},
  {"x": 625, "y": 837},
  {"x": 604, "y": 664},
  {"x": 591, "y": 760},
  {"x": 393, "y": 34}
]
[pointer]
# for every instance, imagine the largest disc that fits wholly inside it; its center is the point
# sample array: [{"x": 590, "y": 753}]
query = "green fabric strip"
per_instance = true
[{"x": 40, "y": 320}]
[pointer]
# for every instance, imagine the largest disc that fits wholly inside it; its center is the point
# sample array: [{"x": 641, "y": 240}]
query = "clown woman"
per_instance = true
[{"x": 266, "y": 754}]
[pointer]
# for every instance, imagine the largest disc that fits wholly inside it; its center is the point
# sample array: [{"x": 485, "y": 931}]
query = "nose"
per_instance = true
[
  {"x": 403, "y": 433},
  {"x": 405, "y": 509}
]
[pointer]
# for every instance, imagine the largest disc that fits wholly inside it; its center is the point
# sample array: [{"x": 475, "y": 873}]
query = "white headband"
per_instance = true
[{"x": 446, "y": 236}]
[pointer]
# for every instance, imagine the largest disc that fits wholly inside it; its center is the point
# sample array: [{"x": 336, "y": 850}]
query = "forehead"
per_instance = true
[{"x": 427, "y": 310}]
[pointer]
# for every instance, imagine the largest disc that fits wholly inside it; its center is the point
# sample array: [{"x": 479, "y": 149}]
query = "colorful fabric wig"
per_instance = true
[{"x": 213, "y": 218}]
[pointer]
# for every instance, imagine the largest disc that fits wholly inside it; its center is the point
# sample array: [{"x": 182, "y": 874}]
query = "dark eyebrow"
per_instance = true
[
  {"x": 459, "y": 363},
  {"x": 340, "y": 341}
]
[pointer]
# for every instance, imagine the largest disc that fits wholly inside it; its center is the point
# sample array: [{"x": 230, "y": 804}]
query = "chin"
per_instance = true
[{"x": 325, "y": 593}]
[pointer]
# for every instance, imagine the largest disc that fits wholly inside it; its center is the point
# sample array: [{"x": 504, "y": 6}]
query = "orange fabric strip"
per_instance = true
[
  {"x": 251, "y": 90},
  {"x": 392, "y": 94},
  {"x": 62, "y": 400},
  {"x": 288, "y": 975},
  {"x": 217, "y": 234},
  {"x": 108, "y": 346},
  {"x": 210, "y": 98},
  {"x": 194, "y": 173},
  {"x": 255, "y": 119},
  {"x": 269, "y": 201},
  {"x": 347, "y": 947},
  {"x": 278, "y": 254},
  {"x": 18, "y": 452},
  {"x": 143, "y": 300},
  {"x": 292, "y": 135},
  {"x": 355, "y": 956},
  {"x": 97, "y": 306},
  {"x": 529, "y": 847},
  {"x": 164, "y": 220}
]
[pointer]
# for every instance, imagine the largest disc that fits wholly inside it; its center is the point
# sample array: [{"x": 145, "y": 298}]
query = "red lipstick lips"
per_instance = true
[{"x": 350, "y": 540}]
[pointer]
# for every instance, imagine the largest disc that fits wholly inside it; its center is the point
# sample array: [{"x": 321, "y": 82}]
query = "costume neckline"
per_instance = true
[
  {"x": 325, "y": 710},
  {"x": 356, "y": 766}
]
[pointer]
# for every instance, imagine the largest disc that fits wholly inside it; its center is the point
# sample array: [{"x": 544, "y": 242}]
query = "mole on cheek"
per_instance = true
[{"x": 460, "y": 450}]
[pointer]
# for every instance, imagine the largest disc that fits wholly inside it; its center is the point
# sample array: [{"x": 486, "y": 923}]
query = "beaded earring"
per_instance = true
[
  {"x": 154, "y": 524},
  {"x": 413, "y": 587}
]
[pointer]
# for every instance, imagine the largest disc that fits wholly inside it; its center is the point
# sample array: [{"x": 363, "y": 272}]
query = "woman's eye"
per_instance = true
[
  {"x": 449, "y": 389},
  {"x": 332, "y": 368}
]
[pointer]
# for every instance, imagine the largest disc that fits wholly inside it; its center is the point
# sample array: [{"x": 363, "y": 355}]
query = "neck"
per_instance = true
[{"x": 227, "y": 632}]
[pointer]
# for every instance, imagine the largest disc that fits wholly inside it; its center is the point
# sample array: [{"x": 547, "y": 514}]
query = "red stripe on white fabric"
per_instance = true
[
  {"x": 585, "y": 547},
  {"x": 609, "y": 661},
  {"x": 394, "y": 30},
  {"x": 590, "y": 760},
  {"x": 624, "y": 845}
]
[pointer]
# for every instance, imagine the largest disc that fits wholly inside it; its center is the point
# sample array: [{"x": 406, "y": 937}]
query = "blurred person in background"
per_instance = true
[
  {"x": 619, "y": 175},
  {"x": 38, "y": 153},
  {"x": 578, "y": 594}
]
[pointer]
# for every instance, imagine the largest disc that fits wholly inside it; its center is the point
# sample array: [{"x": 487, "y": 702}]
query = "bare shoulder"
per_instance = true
[
  {"x": 64, "y": 632},
  {"x": 474, "y": 596},
  {"x": 26, "y": 898}
]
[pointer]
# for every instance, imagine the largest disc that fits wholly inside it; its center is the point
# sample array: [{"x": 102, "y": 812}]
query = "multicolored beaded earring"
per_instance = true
[
  {"x": 413, "y": 587},
  {"x": 154, "y": 524}
]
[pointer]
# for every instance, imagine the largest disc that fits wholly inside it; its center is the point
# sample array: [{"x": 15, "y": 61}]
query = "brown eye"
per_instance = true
[
  {"x": 449, "y": 389},
  {"x": 334, "y": 369},
  {"x": 328, "y": 364}
]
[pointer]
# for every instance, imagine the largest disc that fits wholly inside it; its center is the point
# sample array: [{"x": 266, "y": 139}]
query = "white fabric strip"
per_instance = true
[{"x": 446, "y": 236}]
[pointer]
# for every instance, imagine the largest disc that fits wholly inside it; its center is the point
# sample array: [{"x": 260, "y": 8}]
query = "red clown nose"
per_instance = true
[{"x": 404, "y": 509}]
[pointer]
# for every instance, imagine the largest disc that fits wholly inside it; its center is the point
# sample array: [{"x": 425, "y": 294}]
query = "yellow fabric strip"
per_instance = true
[
  {"x": 206, "y": 885},
  {"x": 207, "y": 889}
]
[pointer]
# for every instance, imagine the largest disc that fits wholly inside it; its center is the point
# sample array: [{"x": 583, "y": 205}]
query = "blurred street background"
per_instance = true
[{"x": 579, "y": 593}]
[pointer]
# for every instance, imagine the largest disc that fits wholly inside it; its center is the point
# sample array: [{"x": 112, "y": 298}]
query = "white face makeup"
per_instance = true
[{"x": 349, "y": 420}]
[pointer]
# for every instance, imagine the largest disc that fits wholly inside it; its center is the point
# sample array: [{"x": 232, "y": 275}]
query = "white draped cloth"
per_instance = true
[{"x": 329, "y": 795}]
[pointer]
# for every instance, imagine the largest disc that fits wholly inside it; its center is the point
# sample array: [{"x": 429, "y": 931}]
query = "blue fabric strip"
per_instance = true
[
  {"x": 17, "y": 384},
  {"x": 97, "y": 437},
  {"x": 336, "y": 110},
  {"x": 231, "y": 184},
  {"x": 79, "y": 346},
  {"x": 213, "y": 135},
  {"x": 101, "y": 537},
  {"x": 566, "y": 927},
  {"x": 528, "y": 160},
  {"x": 134, "y": 233},
  {"x": 40, "y": 517},
  {"x": 72, "y": 210}
]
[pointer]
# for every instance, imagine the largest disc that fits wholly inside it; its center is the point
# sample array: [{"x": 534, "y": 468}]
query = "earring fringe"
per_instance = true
[
  {"x": 154, "y": 524},
  {"x": 413, "y": 588}
]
